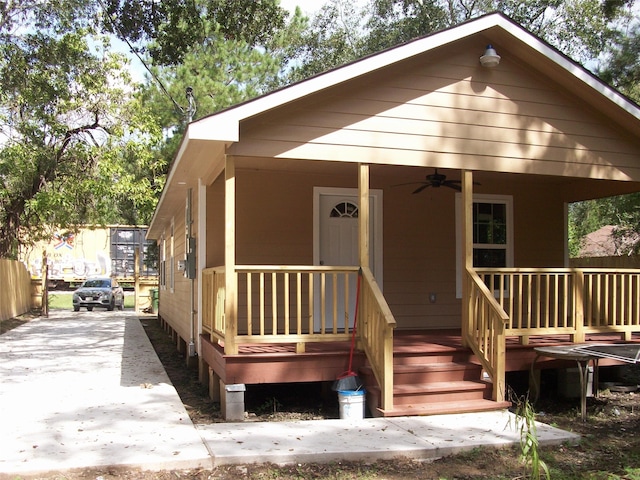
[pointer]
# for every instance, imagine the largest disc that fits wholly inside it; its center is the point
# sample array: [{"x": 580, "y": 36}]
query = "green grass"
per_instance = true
[{"x": 62, "y": 301}]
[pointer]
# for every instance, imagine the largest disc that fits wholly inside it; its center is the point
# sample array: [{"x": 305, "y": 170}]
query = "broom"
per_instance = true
[{"x": 349, "y": 380}]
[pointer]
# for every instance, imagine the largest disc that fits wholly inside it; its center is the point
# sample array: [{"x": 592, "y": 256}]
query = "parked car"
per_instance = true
[{"x": 99, "y": 292}]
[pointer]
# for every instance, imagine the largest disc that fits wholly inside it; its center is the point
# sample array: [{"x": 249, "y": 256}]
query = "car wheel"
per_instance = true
[
  {"x": 112, "y": 305},
  {"x": 89, "y": 309},
  {"x": 76, "y": 309}
]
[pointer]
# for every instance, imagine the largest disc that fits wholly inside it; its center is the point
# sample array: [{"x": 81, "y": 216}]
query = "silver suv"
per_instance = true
[{"x": 99, "y": 292}]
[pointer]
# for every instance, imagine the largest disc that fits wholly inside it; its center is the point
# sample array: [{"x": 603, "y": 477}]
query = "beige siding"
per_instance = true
[
  {"x": 175, "y": 299},
  {"x": 453, "y": 113},
  {"x": 275, "y": 220},
  {"x": 215, "y": 223},
  {"x": 275, "y": 227}
]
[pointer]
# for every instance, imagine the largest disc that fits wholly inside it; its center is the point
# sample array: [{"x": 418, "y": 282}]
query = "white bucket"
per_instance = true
[{"x": 351, "y": 404}]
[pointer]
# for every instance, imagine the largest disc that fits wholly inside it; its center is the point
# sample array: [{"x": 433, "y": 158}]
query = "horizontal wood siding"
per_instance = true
[
  {"x": 275, "y": 214},
  {"x": 215, "y": 223},
  {"x": 419, "y": 256},
  {"x": 451, "y": 112},
  {"x": 174, "y": 302}
]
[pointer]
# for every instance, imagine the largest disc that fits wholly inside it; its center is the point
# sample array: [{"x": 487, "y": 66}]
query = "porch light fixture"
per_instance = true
[{"x": 490, "y": 58}]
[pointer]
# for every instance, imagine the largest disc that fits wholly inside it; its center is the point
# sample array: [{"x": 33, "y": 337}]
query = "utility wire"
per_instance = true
[{"x": 191, "y": 109}]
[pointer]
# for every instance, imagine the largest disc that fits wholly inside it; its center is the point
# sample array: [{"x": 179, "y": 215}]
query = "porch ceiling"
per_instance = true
[{"x": 382, "y": 176}]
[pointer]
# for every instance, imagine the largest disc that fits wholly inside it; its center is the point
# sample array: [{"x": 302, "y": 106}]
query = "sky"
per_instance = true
[{"x": 307, "y": 6}]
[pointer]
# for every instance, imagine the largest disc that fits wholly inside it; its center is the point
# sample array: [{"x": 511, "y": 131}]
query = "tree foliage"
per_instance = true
[
  {"x": 340, "y": 33},
  {"x": 66, "y": 124},
  {"x": 170, "y": 29},
  {"x": 79, "y": 143}
]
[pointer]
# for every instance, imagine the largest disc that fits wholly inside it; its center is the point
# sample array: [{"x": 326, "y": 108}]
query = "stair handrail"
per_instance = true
[
  {"x": 485, "y": 334},
  {"x": 375, "y": 331}
]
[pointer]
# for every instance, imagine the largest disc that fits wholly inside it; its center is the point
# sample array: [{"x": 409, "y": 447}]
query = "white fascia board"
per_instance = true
[{"x": 167, "y": 184}]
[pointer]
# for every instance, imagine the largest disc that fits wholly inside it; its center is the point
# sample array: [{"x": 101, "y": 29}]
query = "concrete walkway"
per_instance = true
[{"x": 86, "y": 389}]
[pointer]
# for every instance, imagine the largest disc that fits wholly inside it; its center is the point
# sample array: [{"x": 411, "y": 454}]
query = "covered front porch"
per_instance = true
[{"x": 304, "y": 314}]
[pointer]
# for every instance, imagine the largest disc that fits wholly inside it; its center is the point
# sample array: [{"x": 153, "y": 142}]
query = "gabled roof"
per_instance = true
[
  {"x": 206, "y": 139},
  {"x": 224, "y": 125}
]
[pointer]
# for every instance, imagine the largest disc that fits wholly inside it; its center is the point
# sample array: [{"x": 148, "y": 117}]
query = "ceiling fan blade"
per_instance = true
[
  {"x": 419, "y": 189},
  {"x": 457, "y": 188},
  {"x": 408, "y": 183}
]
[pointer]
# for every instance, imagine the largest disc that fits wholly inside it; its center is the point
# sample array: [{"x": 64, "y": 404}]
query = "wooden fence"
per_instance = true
[{"x": 15, "y": 289}]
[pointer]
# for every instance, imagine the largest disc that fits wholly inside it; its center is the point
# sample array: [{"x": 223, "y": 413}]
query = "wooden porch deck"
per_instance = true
[{"x": 433, "y": 373}]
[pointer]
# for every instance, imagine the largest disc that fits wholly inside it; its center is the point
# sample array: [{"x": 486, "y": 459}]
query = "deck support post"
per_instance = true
[
  {"x": 203, "y": 372},
  {"x": 231, "y": 298},
  {"x": 232, "y": 401},
  {"x": 467, "y": 251},
  {"x": 214, "y": 385}
]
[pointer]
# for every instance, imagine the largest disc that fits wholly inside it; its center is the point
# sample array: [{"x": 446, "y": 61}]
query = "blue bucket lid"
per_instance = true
[{"x": 351, "y": 393}]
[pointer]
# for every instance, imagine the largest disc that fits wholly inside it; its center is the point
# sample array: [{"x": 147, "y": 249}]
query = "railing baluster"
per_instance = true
[
  {"x": 262, "y": 306},
  {"x": 274, "y": 304},
  {"x": 323, "y": 303},
  {"x": 286, "y": 303},
  {"x": 249, "y": 304},
  {"x": 335, "y": 303},
  {"x": 299, "y": 303},
  {"x": 311, "y": 305}
]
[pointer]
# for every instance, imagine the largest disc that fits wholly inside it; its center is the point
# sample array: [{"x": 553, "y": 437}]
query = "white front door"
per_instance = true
[{"x": 336, "y": 213}]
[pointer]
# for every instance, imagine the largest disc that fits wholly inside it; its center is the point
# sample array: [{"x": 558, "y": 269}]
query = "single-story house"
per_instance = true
[{"x": 425, "y": 187}]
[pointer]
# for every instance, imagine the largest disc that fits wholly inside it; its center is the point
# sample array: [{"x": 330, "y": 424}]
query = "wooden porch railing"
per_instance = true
[
  {"x": 375, "y": 328},
  {"x": 282, "y": 304},
  {"x": 213, "y": 321},
  {"x": 486, "y": 333},
  {"x": 567, "y": 301},
  {"x": 302, "y": 304}
]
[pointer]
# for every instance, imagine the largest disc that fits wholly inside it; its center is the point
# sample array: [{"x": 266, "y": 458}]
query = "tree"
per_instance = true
[
  {"x": 79, "y": 145},
  {"x": 168, "y": 30},
  {"x": 334, "y": 38},
  {"x": 579, "y": 28},
  {"x": 66, "y": 123},
  {"x": 621, "y": 69},
  {"x": 220, "y": 72}
]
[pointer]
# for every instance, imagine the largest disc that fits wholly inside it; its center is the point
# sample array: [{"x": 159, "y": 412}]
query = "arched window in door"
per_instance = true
[{"x": 344, "y": 210}]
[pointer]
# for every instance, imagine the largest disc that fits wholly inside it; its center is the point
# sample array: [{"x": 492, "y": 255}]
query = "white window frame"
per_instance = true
[
  {"x": 172, "y": 266},
  {"x": 163, "y": 263},
  {"x": 507, "y": 200}
]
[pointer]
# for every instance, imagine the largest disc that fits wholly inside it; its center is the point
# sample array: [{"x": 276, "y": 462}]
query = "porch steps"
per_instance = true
[{"x": 432, "y": 384}]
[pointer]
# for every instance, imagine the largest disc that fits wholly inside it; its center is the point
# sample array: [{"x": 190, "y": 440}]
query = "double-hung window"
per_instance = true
[{"x": 492, "y": 233}]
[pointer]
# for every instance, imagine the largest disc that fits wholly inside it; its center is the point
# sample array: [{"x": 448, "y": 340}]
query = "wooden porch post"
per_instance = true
[
  {"x": 231, "y": 299},
  {"x": 578, "y": 299},
  {"x": 467, "y": 250},
  {"x": 363, "y": 216}
]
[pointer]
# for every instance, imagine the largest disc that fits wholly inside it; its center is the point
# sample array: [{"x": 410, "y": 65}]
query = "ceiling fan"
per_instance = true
[{"x": 436, "y": 180}]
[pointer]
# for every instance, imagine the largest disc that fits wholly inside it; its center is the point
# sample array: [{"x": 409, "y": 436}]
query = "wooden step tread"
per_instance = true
[
  {"x": 442, "y": 366},
  {"x": 465, "y": 406},
  {"x": 425, "y": 367},
  {"x": 438, "y": 387}
]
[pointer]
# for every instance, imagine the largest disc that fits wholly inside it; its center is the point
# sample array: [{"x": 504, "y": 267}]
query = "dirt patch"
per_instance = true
[
  {"x": 11, "y": 323},
  {"x": 610, "y": 448}
]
